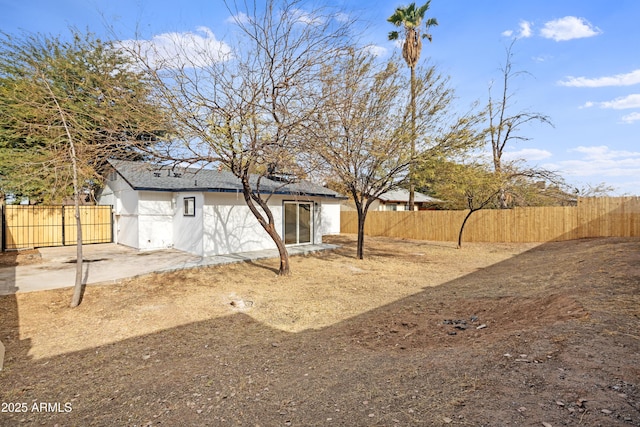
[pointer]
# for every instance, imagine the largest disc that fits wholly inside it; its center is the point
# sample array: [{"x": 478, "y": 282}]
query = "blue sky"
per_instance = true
[{"x": 582, "y": 58}]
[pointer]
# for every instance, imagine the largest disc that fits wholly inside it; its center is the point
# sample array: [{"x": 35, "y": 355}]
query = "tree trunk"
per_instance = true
[
  {"x": 412, "y": 185},
  {"x": 268, "y": 225},
  {"x": 284, "y": 269},
  {"x": 362, "y": 215},
  {"x": 77, "y": 289},
  {"x": 502, "y": 199},
  {"x": 502, "y": 192},
  {"x": 464, "y": 222}
]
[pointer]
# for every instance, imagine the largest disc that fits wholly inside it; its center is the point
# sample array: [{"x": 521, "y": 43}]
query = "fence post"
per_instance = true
[
  {"x": 113, "y": 222},
  {"x": 64, "y": 239},
  {"x": 3, "y": 243}
]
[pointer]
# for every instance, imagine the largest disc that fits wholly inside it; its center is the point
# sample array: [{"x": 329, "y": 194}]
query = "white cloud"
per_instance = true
[
  {"x": 398, "y": 43},
  {"x": 528, "y": 154},
  {"x": 376, "y": 50},
  {"x": 627, "y": 188},
  {"x": 600, "y": 161},
  {"x": 188, "y": 49},
  {"x": 239, "y": 18},
  {"x": 630, "y": 118},
  {"x": 626, "y": 79},
  {"x": 342, "y": 17},
  {"x": 568, "y": 28},
  {"x": 525, "y": 30},
  {"x": 541, "y": 58},
  {"x": 299, "y": 15},
  {"x": 622, "y": 103},
  {"x": 597, "y": 152}
]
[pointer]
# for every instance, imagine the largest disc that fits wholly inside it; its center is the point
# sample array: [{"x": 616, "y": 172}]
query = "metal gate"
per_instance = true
[{"x": 26, "y": 226}]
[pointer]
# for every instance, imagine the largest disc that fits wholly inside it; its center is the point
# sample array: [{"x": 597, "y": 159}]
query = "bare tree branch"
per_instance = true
[
  {"x": 247, "y": 110},
  {"x": 504, "y": 127}
]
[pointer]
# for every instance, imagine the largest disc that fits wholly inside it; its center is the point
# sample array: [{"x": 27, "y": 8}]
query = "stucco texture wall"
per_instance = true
[
  {"x": 155, "y": 220},
  {"x": 230, "y": 227}
]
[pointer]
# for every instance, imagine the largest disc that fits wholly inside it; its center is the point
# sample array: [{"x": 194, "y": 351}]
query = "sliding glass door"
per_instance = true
[{"x": 298, "y": 220}]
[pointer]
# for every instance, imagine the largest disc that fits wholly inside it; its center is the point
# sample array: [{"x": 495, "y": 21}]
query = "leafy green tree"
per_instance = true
[
  {"x": 410, "y": 18},
  {"x": 469, "y": 183},
  {"x": 472, "y": 186},
  {"x": 66, "y": 106},
  {"x": 535, "y": 187},
  {"x": 106, "y": 104}
]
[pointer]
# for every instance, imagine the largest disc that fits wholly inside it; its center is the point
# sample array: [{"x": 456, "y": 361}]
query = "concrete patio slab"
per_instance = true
[{"x": 111, "y": 263}]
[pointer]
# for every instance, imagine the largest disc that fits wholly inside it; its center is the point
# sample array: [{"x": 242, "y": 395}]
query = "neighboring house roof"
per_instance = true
[
  {"x": 401, "y": 195},
  {"x": 152, "y": 177}
]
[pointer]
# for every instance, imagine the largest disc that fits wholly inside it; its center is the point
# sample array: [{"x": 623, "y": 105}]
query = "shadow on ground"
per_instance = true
[
  {"x": 9, "y": 316},
  {"x": 560, "y": 346}
]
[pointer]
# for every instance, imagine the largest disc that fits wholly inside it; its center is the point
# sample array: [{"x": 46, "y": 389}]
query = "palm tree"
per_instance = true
[{"x": 410, "y": 18}]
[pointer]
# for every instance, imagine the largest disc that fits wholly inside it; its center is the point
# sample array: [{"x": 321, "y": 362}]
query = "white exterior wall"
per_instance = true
[
  {"x": 223, "y": 224},
  {"x": 230, "y": 227},
  {"x": 126, "y": 230},
  {"x": 328, "y": 219},
  {"x": 155, "y": 220},
  {"x": 142, "y": 219},
  {"x": 376, "y": 205},
  {"x": 188, "y": 230},
  {"x": 125, "y": 209},
  {"x": 126, "y": 218},
  {"x": 107, "y": 198}
]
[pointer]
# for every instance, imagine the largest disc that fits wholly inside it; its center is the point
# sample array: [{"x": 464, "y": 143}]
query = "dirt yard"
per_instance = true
[{"x": 418, "y": 334}]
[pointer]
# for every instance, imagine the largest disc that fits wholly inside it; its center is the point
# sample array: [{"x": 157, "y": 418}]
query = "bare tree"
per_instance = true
[
  {"x": 594, "y": 190},
  {"x": 244, "y": 105},
  {"x": 505, "y": 126},
  {"x": 362, "y": 130},
  {"x": 358, "y": 131}
]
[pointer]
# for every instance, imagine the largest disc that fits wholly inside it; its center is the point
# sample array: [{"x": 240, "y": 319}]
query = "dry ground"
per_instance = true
[{"x": 419, "y": 333}]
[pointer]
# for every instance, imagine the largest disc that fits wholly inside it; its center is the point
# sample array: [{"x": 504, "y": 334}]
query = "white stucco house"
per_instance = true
[{"x": 202, "y": 211}]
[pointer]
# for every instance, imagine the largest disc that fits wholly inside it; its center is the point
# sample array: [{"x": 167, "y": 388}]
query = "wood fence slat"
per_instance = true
[
  {"x": 592, "y": 217},
  {"x": 33, "y": 226}
]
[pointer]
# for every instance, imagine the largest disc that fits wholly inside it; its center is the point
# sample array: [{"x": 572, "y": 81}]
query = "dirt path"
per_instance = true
[{"x": 419, "y": 333}]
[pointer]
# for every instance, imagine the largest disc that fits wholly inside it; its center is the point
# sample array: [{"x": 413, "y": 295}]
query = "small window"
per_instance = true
[{"x": 189, "y": 206}]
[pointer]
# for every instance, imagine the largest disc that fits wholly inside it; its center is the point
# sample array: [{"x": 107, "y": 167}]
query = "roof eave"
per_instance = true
[{"x": 230, "y": 190}]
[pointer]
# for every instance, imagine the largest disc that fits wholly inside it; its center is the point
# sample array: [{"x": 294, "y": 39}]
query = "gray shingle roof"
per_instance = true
[{"x": 152, "y": 177}]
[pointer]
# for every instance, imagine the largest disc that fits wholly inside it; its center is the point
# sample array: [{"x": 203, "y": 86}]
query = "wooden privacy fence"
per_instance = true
[
  {"x": 592, "y": 217},
  {"x": 26, "y": 226}
]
